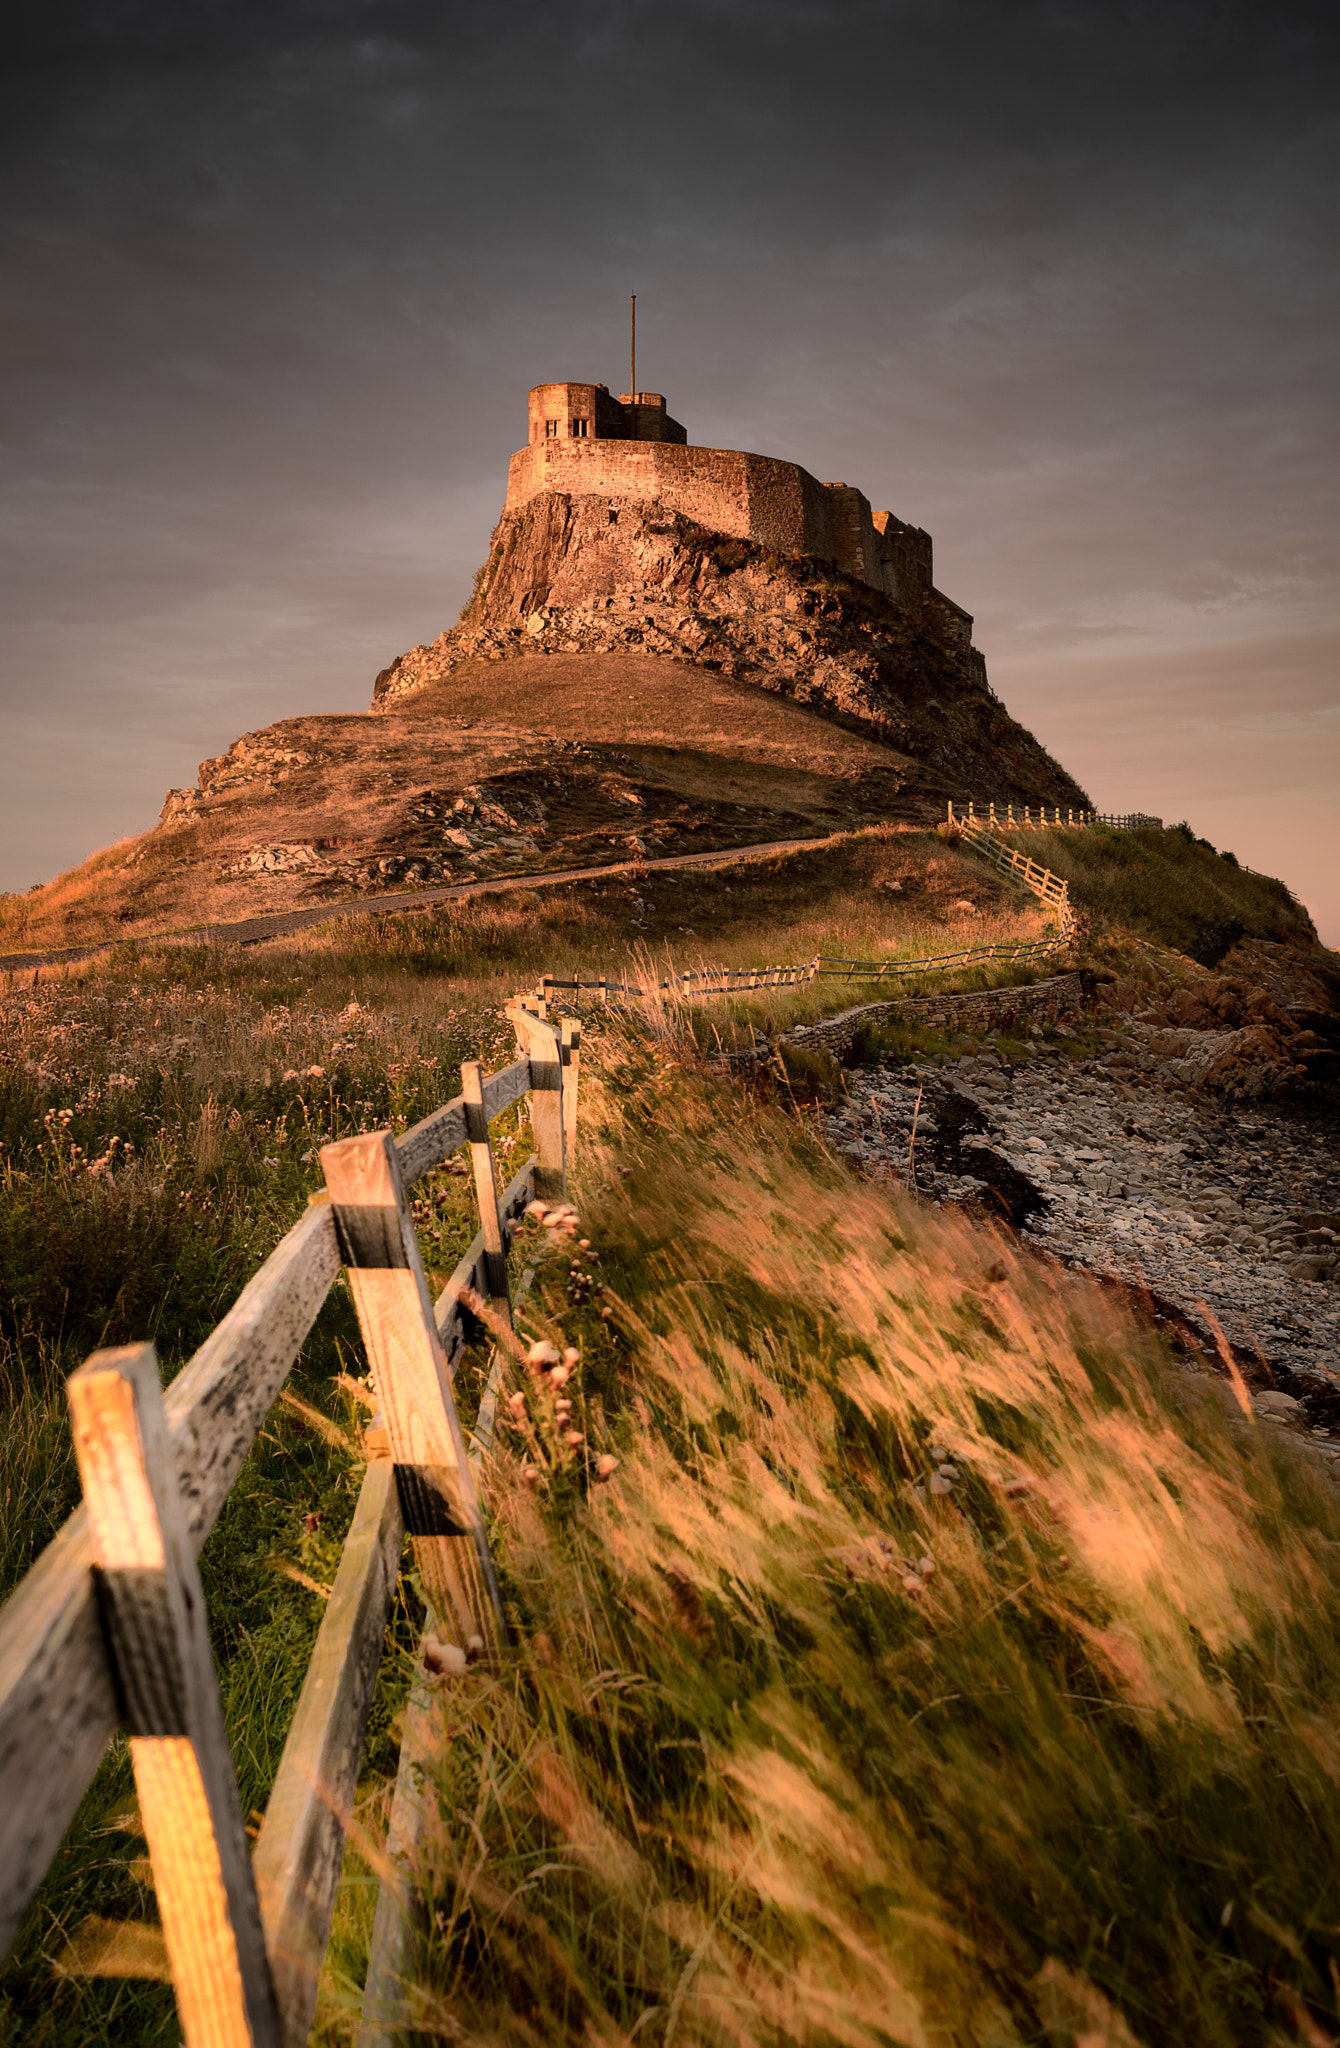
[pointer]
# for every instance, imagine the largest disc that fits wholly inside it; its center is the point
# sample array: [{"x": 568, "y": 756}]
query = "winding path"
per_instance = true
[{"x": 252, "y": 930}]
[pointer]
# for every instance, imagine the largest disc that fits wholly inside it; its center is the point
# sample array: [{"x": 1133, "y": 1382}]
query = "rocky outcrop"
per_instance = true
[
  {"x": 1235, "y": 1037},
  {"x": 595, "y": 575},
  {"x": 258, "y": 757}
]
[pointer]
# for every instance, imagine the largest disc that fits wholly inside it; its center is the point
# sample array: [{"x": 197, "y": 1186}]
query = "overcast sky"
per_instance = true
[{"x": 1055, "y": 279}]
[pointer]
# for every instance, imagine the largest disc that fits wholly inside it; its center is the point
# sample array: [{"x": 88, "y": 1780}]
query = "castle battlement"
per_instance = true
[{"x": 585, "y": 443}]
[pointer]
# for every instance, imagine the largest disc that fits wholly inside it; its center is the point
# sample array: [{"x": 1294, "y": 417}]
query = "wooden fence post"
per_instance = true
[
  {"x": 154, "y": 1613},
  {"x": 571, "y": 1052},
  {"x": 486, "y": 1187},
  {"x": 539, "y": 1041},
  {"x": 395, "y": 1313}
]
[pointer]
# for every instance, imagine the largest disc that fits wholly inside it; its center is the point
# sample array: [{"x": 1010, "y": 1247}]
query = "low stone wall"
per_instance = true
[{"x": 977, "y": 1010}]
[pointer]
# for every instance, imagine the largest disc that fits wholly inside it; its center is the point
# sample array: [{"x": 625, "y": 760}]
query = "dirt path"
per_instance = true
[{"x": 252, "y": 930}]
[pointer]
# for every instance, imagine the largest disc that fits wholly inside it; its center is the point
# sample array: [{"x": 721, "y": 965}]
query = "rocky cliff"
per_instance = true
[{"x": 618, "y": 576}]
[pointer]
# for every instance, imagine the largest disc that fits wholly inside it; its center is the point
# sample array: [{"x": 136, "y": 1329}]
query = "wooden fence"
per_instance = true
[
  {"x": 717, "y": 981},
  {"x": 1005, "y": 818},
  {"x": 108, "y": 1628}
]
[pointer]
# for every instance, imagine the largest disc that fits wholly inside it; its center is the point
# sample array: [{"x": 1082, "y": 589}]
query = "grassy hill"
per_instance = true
[
  {"x": 533, "y": 765},
  {"x": 795, "y": 1748}
]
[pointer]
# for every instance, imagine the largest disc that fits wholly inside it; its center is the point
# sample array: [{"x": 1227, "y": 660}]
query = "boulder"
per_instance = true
[{"x": 1185, "y": 1007}]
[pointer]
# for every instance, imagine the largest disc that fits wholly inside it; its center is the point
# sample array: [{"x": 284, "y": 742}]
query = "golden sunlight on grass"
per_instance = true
[{"x": 935, "y": 1664}]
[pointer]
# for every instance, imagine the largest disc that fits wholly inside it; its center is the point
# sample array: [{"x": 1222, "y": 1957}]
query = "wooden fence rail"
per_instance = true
[
  {"x": 692, "y": 986},
  {"x": 108, "y": 1630},
  {"x": 1008, "y": 818}
]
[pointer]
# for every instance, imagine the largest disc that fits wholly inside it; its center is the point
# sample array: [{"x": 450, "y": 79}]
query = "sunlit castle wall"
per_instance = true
[{"x": 585, "y": 443}]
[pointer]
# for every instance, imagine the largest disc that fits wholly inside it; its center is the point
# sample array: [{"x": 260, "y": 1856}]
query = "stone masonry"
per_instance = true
[{"x": 583, "y": 443}]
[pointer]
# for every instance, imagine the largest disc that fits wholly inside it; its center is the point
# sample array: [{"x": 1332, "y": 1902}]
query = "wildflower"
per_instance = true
[
  {"x": 290, "y": 1074},
  {"x": 516, "y": 1404},
  {"x": 316, "y": 1073},
  {"x": 606, "y": 1465},
  {"x": 444, "y": 1660},
  {"x": 541, "y": 1356}
]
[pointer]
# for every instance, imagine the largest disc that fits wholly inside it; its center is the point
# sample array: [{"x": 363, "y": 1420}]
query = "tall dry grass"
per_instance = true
[{"x": 805, "y": 1743}]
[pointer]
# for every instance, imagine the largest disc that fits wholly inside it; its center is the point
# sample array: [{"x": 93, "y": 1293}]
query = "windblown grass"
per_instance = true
[
  {"x": 742, "y": 1782},
  {"x": 1170, "y": 887},
  {"x": 797, "y": 1748}
]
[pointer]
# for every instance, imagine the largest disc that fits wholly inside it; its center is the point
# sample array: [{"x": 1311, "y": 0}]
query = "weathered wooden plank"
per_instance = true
[
  {"x": 390, "y": 1289},
  {"x": 57, "y": 1698},
  {"x": 503, "y": 1089},
  {"x": 389, "y": 1958},
  {"x": 385, "y": 2000},
  {"x": 571, "y": 1051},
  {"x": 449, "y": 1311},
  {"x": 486, "y": 1187},
  {"x": 430, "y": 1144},
  {"x": 57, "y": 1712},
  {"x": 298, "y": 1856},
  {"x": 540, "y": 1041},
  {"x": 154, "y": 1612}
]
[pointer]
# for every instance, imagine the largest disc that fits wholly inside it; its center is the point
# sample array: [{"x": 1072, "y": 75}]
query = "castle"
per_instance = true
[
  {"x": 619, "y": 540},
  {"x": 585, "y": 443}
]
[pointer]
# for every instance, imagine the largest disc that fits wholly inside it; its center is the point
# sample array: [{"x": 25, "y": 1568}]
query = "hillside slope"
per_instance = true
[
  {"x": 511, "y": 770},
  {"x": 597, "y": 575}
]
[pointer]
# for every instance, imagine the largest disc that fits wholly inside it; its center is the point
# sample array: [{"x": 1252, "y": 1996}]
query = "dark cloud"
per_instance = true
[{"x": 1055, "y": 280}]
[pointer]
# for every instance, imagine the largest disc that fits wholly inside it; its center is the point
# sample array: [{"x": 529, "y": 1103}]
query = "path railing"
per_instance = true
[
  {"x": 1006, "y": 818},
  {"x": 108, "y": 1629},
  {"x": 717, "y": 981}
]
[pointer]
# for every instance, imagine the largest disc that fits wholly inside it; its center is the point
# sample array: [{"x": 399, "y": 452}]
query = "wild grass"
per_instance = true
[
  {"x": 160, "y": 1117},
  {"x": 742, "y": 1781},
  {"x": 1170, "y": 887},
  {"x": 805, "y": 1743},
  {"x": 646, "y": 928}
]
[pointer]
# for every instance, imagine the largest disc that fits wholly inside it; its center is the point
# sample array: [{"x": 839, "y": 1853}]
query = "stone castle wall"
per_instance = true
[{"x": 757, "y": 498}]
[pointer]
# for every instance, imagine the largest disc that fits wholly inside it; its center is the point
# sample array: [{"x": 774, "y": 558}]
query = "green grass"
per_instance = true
[{"x": 134, "y": 1211}]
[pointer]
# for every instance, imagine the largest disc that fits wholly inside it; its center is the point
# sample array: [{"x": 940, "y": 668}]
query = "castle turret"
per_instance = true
[{"x": 586, "y": 412}]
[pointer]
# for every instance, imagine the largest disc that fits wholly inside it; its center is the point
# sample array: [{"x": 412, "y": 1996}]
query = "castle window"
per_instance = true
[
  {"x": 578, "y": 430},
  {"x": 551, "y": 430}
]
